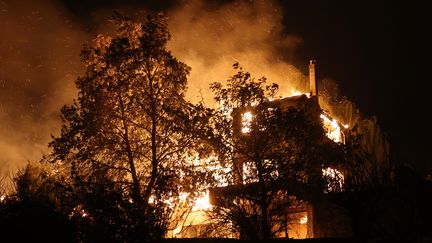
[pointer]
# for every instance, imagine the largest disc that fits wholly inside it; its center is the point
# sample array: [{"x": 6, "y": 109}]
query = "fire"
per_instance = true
[
  {"x": 196, "y": 216},
  {"x": 202, "y": 203},
  {"x": 333, "y": 129},
  {"x": 2, "y": 198},
  {"x": 332, "y": 126},
  {"x": 298, "y": 93}
]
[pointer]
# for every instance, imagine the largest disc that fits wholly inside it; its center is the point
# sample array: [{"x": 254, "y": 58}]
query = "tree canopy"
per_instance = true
[{"x": 126, "y": 132}]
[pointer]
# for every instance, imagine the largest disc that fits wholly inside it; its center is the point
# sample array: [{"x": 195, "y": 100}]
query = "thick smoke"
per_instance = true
[
  {"x": 39, "y": 60},
  {"x": 210, "y": 40},
  {"x": 211, "y": 37}
]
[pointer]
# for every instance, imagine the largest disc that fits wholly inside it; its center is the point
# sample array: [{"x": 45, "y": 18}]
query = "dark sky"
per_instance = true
[{"x": 374, "y": 50}]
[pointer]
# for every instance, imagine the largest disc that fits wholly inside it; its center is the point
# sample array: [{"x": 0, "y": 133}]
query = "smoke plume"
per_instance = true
[
  {"x": 39, "y": 60},
  {"x": 210, "y": 40},
  {"x": 41, "y": 42}
]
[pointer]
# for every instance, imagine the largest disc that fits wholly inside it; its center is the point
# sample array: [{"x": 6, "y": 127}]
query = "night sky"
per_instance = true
[{"x": 375, "y": 52}]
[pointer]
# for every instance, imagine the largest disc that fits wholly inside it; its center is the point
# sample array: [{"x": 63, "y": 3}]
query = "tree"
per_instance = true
[
  {"x": 367, "y": 168},
  {"x": 282, "y": 149},
  {"x": 128, "y": 127},
  {"x": 36, "y": 210}
]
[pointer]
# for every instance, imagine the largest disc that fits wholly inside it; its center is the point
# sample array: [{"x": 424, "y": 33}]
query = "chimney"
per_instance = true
[{"x": 312, "y": 81}]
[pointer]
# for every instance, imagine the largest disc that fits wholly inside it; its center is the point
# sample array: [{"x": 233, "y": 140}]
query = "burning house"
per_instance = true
[{"x": 296, "y": 217}]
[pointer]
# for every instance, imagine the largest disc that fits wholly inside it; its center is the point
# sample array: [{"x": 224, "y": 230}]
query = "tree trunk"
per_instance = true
[
  {"x": 136, "y": 187},
  {"x": 266, "y": 234},
  {"x": 154, "y": 160}
]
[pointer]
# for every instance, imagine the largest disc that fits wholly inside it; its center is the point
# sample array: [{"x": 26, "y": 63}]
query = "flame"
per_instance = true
[
  {"x": 2, "y": 198},
  {"x": 333, "y": 129},
  {"x": 298, "y": 93},
  {"x": 202, "y": 203}
]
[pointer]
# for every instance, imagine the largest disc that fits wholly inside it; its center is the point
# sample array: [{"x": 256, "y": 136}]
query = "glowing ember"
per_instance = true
[
  {"x": 79, "y": 210},
  {"x": 2, "y": 198},
  {"x": 246, "y": 122}
]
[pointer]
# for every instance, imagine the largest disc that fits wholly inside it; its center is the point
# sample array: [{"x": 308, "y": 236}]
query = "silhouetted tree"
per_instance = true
[
  {"x": 367, "y": 169},
  {"x": 282, "y": 149},
  {"x": 36, "y": 210},
  {"x": 125, "y": 137}
]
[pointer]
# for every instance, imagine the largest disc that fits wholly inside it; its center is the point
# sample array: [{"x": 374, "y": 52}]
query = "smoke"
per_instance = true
[
  {"x": 41, "y": 42},
  {"x": 211, "y": 39},
  {"x": 340, "y": 107},
  {"x": 39, "y": 60}
]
